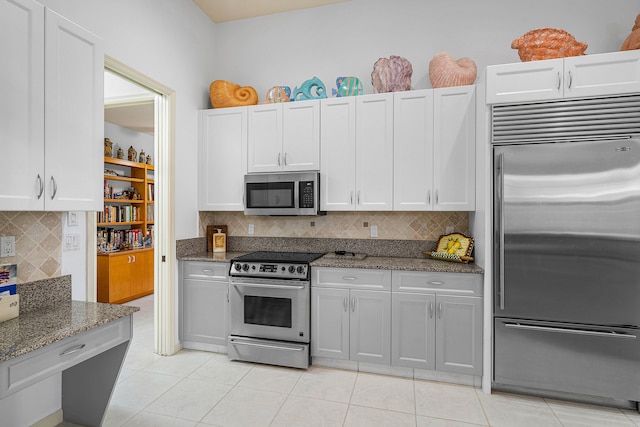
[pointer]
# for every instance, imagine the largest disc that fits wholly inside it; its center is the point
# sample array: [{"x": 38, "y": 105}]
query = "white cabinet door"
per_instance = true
[
  {"x": 22, "y": 105},
  {"x": 374, "y": 152},
  {"x": 606, "y": 74},
  {"x": 459, "y": 334},
  {"x": 265, "y": 138},
  {"x": 413, "y": 150},
  {"x": 338, "y": 154},
  {"x": 74, "y": 116},
  {"x": 301, "y": 136},
  {"x": 223, "y": 159},
  {"x": 454, "y": 149},
  {"x": 204, "y": 311},
  {"x": 370, "y": 328},
  {"x": 330, "y": 323},
  {"x": 525, "y": 82},
  {"x": 413, "y": 330}
]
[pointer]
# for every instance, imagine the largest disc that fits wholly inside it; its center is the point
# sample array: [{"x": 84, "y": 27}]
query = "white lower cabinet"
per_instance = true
[
  {"x": 437, "y": 321},
  {"x": 351, "y": 314},
  {"x": 204, "y": 305}
]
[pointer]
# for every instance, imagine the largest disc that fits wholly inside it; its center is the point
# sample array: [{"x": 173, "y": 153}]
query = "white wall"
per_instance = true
[{"x": 347, "y": 38}]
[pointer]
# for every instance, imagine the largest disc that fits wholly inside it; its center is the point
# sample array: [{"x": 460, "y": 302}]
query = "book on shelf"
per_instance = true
[
  {"x": 125, "y": 213},
  {"x": 150, "y": 195},
  {"x": 111, "y": 240}
]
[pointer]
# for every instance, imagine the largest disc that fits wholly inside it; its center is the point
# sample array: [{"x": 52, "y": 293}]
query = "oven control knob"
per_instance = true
[
  {"x": 300, "y": 269},
  {"x": 245, "y": 267},
  {"x": 238, "y": 266},
  {"x": 292, "y": 269}
]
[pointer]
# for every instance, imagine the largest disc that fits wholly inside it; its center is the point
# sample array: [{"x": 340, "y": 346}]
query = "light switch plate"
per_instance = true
[
  {"x": 374, "y": 231},
  {"x": 72, "y": 218}
]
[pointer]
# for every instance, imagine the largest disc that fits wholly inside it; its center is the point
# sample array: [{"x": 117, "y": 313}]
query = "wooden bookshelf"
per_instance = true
[{"x": 126, "y": 274}]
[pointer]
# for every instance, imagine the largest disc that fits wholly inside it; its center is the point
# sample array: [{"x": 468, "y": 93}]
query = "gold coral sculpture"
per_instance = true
[
  {"x": 226, "y": 94},
  {"x": 547, "y": 43}
]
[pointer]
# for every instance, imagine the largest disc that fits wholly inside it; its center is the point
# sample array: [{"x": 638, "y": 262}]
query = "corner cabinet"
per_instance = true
[
  {"x": 204, "y": 305},
  {"x": 586, "y": 76},
  {"x": 222, "y": 159},
  {"x": 434, "y": 149},
  {"x": 284, "y": 137},
  {"x": 50, "y": 144}
]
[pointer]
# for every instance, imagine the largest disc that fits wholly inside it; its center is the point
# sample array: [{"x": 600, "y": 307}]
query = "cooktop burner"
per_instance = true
[{"x": 288, "y": 257}]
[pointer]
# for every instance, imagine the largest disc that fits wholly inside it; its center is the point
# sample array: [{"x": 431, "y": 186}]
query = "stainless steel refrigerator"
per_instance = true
[{"x": 567, "y": 269}]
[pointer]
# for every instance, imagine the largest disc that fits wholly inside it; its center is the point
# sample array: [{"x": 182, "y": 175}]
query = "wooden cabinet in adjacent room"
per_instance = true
[{"x": 124, "y": 276}]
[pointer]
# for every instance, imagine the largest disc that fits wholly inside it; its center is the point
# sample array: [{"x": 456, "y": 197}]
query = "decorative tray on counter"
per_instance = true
[{"x": 454, "y": 247}]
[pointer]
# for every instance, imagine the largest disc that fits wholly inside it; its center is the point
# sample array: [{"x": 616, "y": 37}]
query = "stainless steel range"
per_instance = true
[{"x": 270, "y": 303}]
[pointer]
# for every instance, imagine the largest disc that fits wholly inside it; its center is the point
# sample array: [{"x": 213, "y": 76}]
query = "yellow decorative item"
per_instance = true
[
  {"x": 453, "y": 247},
  {"x": 226, "y": 94}
]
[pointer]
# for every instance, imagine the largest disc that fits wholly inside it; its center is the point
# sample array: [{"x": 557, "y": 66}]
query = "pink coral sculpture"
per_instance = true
[
  {"x": 444, "y": 71},
  {"x": 391, "y": 75}
]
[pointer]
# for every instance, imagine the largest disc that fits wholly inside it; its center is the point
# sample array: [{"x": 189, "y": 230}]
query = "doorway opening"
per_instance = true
[{"x": 163, "y": 103}]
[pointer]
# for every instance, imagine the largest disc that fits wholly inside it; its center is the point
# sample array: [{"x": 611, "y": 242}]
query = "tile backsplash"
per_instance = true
[
  {"x": 38, "y": 243},
  {"x": 348, "y": 225}
]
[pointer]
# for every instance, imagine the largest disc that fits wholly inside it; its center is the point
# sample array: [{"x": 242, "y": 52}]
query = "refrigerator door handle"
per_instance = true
[
  {"x": 609, "y": 334},
  {"x": 500, "y": 215}
]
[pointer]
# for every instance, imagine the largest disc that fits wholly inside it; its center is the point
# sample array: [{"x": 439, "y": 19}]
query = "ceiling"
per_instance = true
[{"x": 230, "y": 10}]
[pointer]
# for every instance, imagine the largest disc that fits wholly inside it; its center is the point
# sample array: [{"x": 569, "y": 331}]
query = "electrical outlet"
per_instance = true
[
  {"x": 7, "y": 246},
  {"x": 448, "y": 229},
  {"x": 252, "y": 229},
  {"x": 374, "y": 231}
]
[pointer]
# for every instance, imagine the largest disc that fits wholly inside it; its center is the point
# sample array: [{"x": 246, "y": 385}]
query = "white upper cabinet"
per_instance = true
[
  {"x": 223, "y": 159},
  {"x": 53, "y": 150},
  {"x": 374, "y": 152},
  {"x": 454, "y": 149},
  {"x": 434, "y": 149},
  {"x": 574, "y": 77},
  {"x": 413, "y": 150},
  {"x": 338, "y": 154},
  {"x": 284, "y": 137},
  {"x": 357, "y": 153}
]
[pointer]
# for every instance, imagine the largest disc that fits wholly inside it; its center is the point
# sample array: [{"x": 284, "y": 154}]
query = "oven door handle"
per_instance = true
[
  {"x": 275, "y": 347},
  {"x": 264, "y": 285}
]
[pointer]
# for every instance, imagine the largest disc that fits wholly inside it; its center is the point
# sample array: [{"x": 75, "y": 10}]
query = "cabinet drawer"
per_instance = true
[
  {"x": 358, "y": 278},
  {"x": 430, "y": 282},
  {"x": 205, "y": 270},
  {"x": 30, "y": 368}
]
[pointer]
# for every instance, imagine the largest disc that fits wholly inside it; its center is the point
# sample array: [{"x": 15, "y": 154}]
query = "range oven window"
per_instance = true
[
  {"x": 271, "y": 195},
  {"x": 267, "y": 311}
]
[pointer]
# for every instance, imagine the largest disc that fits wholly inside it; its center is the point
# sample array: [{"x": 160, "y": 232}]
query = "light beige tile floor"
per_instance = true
[{"x": 196, "y": 388}]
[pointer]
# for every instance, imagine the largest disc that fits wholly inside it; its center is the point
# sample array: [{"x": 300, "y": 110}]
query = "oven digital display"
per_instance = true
[
  {"x": 267, "y": 311},
  {"x": 269, "y": 268}
]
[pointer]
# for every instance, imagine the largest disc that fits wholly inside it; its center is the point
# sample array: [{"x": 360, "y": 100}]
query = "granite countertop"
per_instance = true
[
  {"x": 398, "y": 263},
  {"x": 375, "y": 262},
  {"x": 47, "y": 325}
]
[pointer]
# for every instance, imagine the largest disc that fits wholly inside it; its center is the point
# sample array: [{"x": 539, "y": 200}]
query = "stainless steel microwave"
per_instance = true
[{"x": 291, "y": 193}]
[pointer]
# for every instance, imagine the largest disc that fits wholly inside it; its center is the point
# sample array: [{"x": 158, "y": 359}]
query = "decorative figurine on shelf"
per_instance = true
[
  {"x": 149, "y": 159},
  {"x": 547, "y": 43},
  {"x": 632, "y": 41},
  {"x": 120, "y": 153},
  {"x": 108, "y": 148},
  {"x": 444, "y": 71},
  {"x": 278, "y": 94},
  {"x": 133, "y": 154},
  {"x": 310, "y": 89},
  {"x": 391, "y": 75},
  {"x": 226, "y": 94},
  {"x": 347, "y": 86},
  {"x": 142, "y": 157}
]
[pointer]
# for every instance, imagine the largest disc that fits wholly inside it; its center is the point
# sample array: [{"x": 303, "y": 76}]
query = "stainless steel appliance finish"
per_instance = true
[
  {"x": 292, "y": 193},
  {"x": 567, "y": 268},
  {"x": 270, "y": 303}
]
